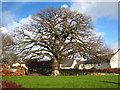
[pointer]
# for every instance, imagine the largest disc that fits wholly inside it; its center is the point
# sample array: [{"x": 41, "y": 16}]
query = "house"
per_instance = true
[
  {"x": 18, "y": 64},
  {"x": 91, "y": 64},
  {"x": 115, "y": 61},
  {"x": 77, "y": 64},
  {"x": 99, "y": 62},
  {"x": 67, "y": 63},
  {"x": 15, "y": 65}
]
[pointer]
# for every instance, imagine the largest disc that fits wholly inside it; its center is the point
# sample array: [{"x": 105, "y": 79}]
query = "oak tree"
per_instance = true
[{"x": 55, "y": 33}]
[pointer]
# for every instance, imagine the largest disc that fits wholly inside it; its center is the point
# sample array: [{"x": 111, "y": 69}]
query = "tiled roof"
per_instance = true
[{"x": 67, "y": 62}]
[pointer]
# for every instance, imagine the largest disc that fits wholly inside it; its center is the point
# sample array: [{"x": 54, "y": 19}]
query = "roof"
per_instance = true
[
  {"x": 95, "y": 60},
  {"x": 101, "y": 59},
  {"x": 118, "y": 50},
  {"x": 84, "y": 62},
  {"x": 67, "y": 62},
  {"x": 78, "y": 63}
]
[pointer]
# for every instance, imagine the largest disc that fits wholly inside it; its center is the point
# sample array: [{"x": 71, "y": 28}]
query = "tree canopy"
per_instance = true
[{"x": 57, "y": 34}]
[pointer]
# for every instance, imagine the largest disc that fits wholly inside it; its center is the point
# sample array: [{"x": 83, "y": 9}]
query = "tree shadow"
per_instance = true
[{"x": 111, "y": 82}]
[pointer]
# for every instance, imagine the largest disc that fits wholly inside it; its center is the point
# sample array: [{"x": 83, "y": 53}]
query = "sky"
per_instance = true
[{"x": 104, "y": 16}]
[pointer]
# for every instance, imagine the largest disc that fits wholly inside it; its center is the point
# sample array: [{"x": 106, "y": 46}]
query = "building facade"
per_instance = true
[{"x": 115, "y": 61}]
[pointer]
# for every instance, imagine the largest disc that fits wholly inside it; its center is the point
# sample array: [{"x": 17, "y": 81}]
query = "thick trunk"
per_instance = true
[{"x": 55, "y": 71}]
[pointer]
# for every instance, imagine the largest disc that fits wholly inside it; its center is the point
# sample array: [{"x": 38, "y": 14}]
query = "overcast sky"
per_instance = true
[{"x": 104, "y": 15}]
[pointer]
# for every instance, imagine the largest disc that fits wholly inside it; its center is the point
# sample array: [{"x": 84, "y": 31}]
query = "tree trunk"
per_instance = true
[{"x": 55, "y": 71}]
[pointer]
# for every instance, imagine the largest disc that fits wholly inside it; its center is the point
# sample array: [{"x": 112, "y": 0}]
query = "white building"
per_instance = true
[
  {"x": 15, "y": 65},
  {"x": 115, "y": 61},
  {"x": 104, "y": 62}
]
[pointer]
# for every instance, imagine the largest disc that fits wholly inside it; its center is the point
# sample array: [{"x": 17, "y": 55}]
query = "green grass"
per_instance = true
[{"x": 98, "y": 81}]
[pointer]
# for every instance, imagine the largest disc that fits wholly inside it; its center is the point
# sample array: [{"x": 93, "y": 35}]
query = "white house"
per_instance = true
[
  {"x": 15, "y": 65},
  {"x": 115, "y": 61},
  {"x": 67, "y": 64},
  {"x": 104, "y": 62},
  {"x": 90, "y": 65}
]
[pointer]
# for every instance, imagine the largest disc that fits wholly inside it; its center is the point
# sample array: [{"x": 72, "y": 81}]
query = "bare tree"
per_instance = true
[
  {"x": 55, "y": 33},
  {"x": 96, "y": 47},
  {"x": 7, "y": 54}
]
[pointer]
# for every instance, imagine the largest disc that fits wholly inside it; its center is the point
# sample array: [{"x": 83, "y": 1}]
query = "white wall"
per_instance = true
[
  {"x": 16, "y": 65},
  {"x": 89, "y": 66},
  {"x": 13, "y": 69},
  {"x": 74, "y": 63},
  {"x": 23, "y": 65},
  {"x": 65, "y": 68},
  {"x": 81, "y": 66},
  {"x": 115, "y": 61}
]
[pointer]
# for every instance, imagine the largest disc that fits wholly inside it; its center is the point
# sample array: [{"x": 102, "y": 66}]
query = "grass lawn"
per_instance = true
[{"x": 98, "y": 81}]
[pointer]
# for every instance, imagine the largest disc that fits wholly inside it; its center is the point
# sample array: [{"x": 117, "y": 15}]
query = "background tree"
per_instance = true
[
  {"x": 97, "y": 48},
  {"x": 55, "y": 33},
  {"x": 7, "y": 56},
  {"x": 98, "y": 51}
]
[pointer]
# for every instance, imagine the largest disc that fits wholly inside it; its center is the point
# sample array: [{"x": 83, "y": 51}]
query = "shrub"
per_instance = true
[
  {"x": 40, "y": 67},
  {"x": 108, "y": 70},
  {"x": 7, "y": 71},
  {"x": 6, "y": 84},
  {"x": 88, "y": 71}
]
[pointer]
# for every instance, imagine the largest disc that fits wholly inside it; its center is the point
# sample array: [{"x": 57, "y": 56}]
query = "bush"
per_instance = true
[
  {"x": 40, "y": 67},
  {"x": 88, "y": 71},
  {"x": 5, "y": 71},
  {"x": 35, "y": 74},
  {"x": 74, "y": 72},
  {"x": 10, "y": 85},
  {"x": 108, "y": 70}
]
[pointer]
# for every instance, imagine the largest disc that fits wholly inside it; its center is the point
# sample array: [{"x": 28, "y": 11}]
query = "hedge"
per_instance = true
[{"x": 89, "y": 71}]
